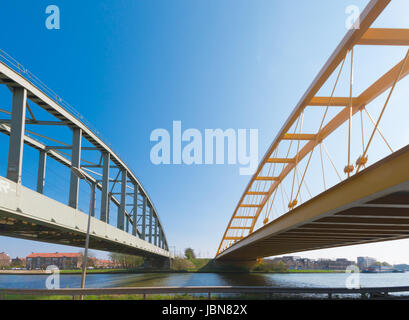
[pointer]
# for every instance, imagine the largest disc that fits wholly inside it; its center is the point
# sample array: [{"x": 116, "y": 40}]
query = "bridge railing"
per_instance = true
[
  {"x": 373, "y": 292},
  {"x": 28, "y": 75}
]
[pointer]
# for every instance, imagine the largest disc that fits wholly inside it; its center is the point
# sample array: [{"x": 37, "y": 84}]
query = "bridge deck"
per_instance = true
[
  {"x": 369, "y": 207},
  {"x": 30, "y": 215}
]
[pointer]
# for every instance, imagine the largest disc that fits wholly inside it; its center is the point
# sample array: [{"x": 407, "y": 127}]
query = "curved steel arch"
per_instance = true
[
  {"x": 26, "y": 87},
  {"x": 256, "y": 198}
]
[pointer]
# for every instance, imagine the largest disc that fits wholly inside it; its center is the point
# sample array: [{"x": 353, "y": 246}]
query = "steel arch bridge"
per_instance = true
[
  {"x": 29, "y": 214},
  {"x": 369, "y": 199}
]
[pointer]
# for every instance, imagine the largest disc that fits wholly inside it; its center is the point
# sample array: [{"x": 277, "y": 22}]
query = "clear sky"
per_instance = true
[{"x": 132, "y": 66}]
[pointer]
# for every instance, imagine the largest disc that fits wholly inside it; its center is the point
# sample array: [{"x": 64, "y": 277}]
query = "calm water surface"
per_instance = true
[{"x": 206, "y": 279}]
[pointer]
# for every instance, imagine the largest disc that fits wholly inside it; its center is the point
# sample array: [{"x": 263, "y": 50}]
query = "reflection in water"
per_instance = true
[{"x": 246, "y": 279}]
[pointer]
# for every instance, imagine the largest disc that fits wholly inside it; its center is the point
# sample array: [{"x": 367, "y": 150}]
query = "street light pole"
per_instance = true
[
  {"x": 85, "y": 262},
  {"x": 81, "y": 175}
]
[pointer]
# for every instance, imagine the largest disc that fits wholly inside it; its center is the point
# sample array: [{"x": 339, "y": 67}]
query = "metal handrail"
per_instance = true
[
  {"x": 75, "y": 292},
  {"x": 203, "y": 290}
]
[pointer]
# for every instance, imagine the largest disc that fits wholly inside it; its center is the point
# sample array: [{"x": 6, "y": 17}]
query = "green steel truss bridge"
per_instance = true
[{"x": 29, "y": 214}]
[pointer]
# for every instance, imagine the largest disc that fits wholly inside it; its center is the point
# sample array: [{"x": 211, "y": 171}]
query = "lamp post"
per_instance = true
[{"x": 81, "y": 175}]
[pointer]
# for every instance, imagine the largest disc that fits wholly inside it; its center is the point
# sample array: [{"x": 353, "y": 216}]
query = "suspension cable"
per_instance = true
[
  {"x": 349, "y": 168},
  {"x": 322, "y": 168},
  {"x": 378, "y": 129},
  {"x": 332, "y": 163},
  {"x": 384, "y": 107}
]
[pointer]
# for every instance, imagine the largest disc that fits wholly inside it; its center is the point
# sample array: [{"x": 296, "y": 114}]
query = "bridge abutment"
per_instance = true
[
  {"x": 157, "y": 263},
  {"x": 234, "y": 265}
]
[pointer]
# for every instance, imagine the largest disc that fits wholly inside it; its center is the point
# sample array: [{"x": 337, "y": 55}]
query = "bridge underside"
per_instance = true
[
  {"x": 29, "y": 215},
  {"x": 371, "y": 206}
]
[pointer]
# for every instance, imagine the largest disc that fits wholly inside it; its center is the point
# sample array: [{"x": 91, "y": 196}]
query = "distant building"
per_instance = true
[
  {"x": 297, "y": 263},
  {"x": 379, "y": 269},
  {"x": 323, "y": 264},
  {"x": 5, "y": 260},
  {"x": 365, "y": 262},
  {"x": 340, "y": 264},
  {"x": 102, "y": 264},
  {"x": 289, "y": 261},
  {"x": 61, "y": 260}
]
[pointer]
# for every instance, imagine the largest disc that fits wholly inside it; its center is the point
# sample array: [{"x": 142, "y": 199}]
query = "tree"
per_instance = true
[
  {"x": 126, "y": 261},
  {"x": 17, "y": 263},
  {"x": 190, "y": 254},
  {"x": 90, "y": 259}
]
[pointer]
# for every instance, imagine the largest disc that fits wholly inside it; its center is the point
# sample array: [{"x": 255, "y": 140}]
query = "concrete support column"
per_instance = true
[
  {"x": 16, "y": 144},
  {"x": 42, "y": 159},
  {"x": 135, "y": 210},
  {"x": 75, "y": 162},
  {"x": 157, "y": 263},
  {"x": 144, "y": 218},
  {"x": 104, "y": 216},
  {"x": 122, "y": 206}
]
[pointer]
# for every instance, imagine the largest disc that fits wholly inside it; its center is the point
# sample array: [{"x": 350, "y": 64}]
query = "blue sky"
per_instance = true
[{"x": 130, "y": 67}]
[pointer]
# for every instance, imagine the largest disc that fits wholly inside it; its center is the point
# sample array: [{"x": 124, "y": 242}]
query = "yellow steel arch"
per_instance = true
[{"x": 255, "y": 199}]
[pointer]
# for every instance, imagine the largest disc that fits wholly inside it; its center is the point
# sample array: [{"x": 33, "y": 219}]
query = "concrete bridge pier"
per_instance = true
[
  {"x": 234, "y": 264},
  {"x": 157, "y": 263}
]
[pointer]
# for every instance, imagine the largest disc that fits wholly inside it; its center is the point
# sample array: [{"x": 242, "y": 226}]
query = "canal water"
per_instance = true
[{"x": 207, "y": 279}]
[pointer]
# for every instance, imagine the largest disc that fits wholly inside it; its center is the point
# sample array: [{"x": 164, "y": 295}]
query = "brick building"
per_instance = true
[
  {"x": 61, "y": 260},
  {"x": 297, "y": 263},
  {"x": 102, "y": 264},
  {"x": 5, "y": 260}
]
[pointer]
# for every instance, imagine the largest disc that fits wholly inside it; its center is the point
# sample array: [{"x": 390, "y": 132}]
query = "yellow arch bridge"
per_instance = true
[{"x": 364, "y": 196}]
